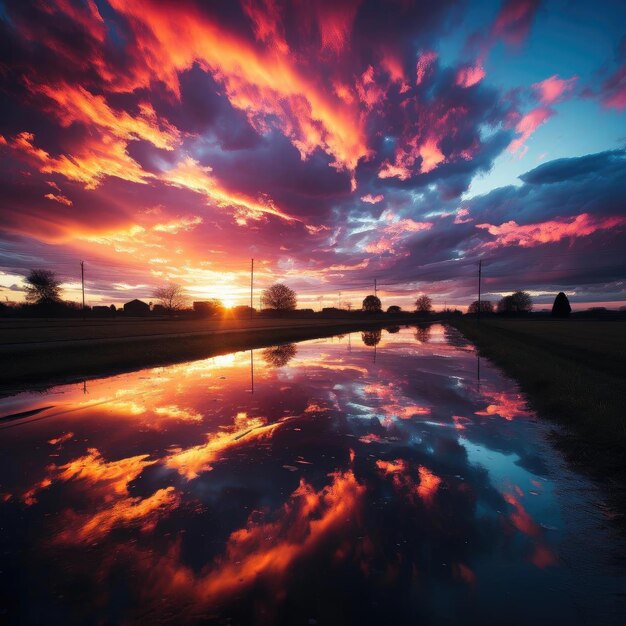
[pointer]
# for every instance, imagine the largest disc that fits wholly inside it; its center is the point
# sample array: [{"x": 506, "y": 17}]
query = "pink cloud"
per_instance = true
[
  {"x": 554, "y": 88},
  {"x": 470, "y": 75},
  {"x": 531, "y": 235},
  {"x": 394, "y": 233},
  {"x": 513, "y": 22},
  {"x": 614, "y": 90},
  {"x": 370, "y": 199},
  {"x": 424, "y": 65},
  {"x": 462, "y": 216},
  {"x": 527, "y": 125}
]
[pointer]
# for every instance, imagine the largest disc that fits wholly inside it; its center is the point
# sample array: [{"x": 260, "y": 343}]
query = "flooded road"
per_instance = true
[{"x": 384, "y": 477}]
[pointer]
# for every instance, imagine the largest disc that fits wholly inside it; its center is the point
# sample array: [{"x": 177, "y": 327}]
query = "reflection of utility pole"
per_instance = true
[
  {"x": 252, "y": 371},
  {"x": 349, "y": 342},
  {"x": 251, "y": 286},
  {"x": 82, "y": 280},
  {"x": 480, "y": 271}
]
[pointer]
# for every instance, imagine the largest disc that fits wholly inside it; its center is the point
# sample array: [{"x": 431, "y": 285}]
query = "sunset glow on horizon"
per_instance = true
[{"x": 335, "y": 142}]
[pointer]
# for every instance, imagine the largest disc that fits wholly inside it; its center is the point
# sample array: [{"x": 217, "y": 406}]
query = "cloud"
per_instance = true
[
  {"x": 370, "y": 199},
  {"x": 513, "y": 22},
  {"x": 554, "y": 89},
  {"x": 530, "y": 235},
  {"x": 527, "y": 125}
]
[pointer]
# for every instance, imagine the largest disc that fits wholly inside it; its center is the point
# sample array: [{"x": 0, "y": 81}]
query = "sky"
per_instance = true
[{"x": 337, "y": 143}]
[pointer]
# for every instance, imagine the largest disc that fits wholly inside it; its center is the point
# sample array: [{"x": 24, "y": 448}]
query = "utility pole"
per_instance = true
[
  {"x": 82, "y": 280},
  {"x": 480, "y": 271},
  {"x": 251, "y": 287}
]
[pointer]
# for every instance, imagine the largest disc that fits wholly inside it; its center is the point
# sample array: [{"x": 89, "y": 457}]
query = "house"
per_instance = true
[
  {"x": 136, "y": 307},
  {"x": 102, "y": 310}
]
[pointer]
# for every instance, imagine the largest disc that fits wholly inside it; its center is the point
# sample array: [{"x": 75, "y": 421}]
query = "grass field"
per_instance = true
[
  {"x": 45, "y": 352},
  {"x": 573, "y": 371}
]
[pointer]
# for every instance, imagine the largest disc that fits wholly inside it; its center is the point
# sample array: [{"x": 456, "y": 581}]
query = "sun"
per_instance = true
[{"x": 228, "y": 303}]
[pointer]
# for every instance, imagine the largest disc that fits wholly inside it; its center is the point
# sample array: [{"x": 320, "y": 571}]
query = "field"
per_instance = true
[
  {"x": 43, "y": 352},
  {"x": 573, "y": 371}
]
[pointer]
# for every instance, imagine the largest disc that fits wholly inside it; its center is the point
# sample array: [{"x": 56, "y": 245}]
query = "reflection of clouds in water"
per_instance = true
[
  {"x": 280, "y": 492},
  {"x": 279, "y": 356},
  {"x": 508, "y": 405}
]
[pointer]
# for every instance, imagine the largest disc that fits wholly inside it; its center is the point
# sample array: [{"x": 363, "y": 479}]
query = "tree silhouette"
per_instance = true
[
  {"x": 561, "y": 306},
  {"x": 394, "y": 309},
  {"x": 422, "y": 334},
  {"x": 279, "y": 356},
  {"x": 279, "y": 297},
  {"x": 517, "y": 302},
  {"x": 371, "y": 304},
  {"x": 371, "y": 337},
  {"x": 486, "y": 306},
  {"x": 392, "y": 330},
  {"x": 42, "y": 286},
  {"x": 171, "y": 297},
  {"x": 423, "y": 304}
]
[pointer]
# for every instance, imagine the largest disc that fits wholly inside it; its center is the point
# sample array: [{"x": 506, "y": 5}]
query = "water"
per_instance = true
[{"x": 373, "y": 478}]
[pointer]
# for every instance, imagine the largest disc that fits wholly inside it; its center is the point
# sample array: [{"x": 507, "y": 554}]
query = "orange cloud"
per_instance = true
[
  {"x": 504, "y": 404},
  {"x": 308, "y": 519},
  {"x": 429, "y": 484},
  {"x": 189, "y": 174},
  {"x": 265, "y": 84},
  {"x": 190, "y": 462},
  {"x": 76, "y": 104},
  {"x": 86, "y": 528},
  {"x": 61, "y": 199},
  {"x": 530, "y": 235}
]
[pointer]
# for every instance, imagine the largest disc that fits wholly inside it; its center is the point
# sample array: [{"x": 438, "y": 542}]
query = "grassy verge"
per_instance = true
[
  {"x": 573, "y": 372},
  {"x": 44, "y": 367}
]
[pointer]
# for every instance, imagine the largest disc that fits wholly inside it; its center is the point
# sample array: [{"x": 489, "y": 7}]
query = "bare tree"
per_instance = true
[
  {"x": 171, "y": 297},
  {"x": 279, "y": 297},
  {"x": 42, "y": 286},
  {"x": 423, "y": 304}
]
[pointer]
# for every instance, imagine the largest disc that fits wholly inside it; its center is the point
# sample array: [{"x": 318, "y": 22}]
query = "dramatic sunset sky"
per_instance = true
[{"x": 336, "y": 142}]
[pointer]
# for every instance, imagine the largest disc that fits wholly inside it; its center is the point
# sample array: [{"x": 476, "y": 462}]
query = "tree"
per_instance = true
[
  {"x": 486, "y": 306},
  {"x": 371, "y": 337},
  {"x": 371, "y": 304},
  {"x": 279, "y": 297},
  {"x": 422, "y": 334},
  {"x": 394, "y": 309},
  {"x": 423, "y": 304},
  {"x": 517, "y": 302},
  {"x": 279, "y": 356},
  {"x": 43, "y": 286},
  {"x": 171, "y": 297},
  {"x": 561, "y": 306},
  {"x": 208, "y": 308}
]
